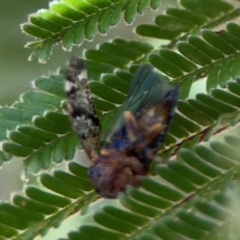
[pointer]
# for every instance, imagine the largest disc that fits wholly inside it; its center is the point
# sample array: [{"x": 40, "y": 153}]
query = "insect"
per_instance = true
[{"x": 135, "y": 135}]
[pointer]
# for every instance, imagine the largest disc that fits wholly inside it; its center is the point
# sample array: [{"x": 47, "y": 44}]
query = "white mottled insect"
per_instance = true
[{"x": 84, "y": 117}]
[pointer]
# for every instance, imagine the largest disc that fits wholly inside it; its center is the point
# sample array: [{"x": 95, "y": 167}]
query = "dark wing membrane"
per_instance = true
[
  {"x": 83, "y": 115},
  {"x": 163, "y": 113},
  {"x": 147, "y": 89}
]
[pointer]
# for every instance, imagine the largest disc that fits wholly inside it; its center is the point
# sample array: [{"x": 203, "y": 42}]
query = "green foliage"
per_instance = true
[
  {"x": 72, "y": 21},
  {"x": 183, "y": 198}
]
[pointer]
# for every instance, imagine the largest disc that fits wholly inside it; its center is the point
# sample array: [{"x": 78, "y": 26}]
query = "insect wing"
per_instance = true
[
  {"x": 147, "y": 89},
  {"x": 81, "y": 108},
  {"x": 163, "y": 113}
]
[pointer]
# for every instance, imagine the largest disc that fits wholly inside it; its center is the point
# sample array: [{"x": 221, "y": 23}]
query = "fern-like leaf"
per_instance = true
[
  {"x": 40, "y": 208},
  {"x": 187, "y": 198},
  {"x": 72, "y": 21},
  {"x": 111, "y": 90},
  {"x": 178, "y": 208}
]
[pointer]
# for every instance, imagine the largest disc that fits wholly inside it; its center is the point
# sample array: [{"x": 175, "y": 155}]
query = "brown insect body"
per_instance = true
[
  {"x": 136, "y": 134},
  {"x": 113, "y": 171},
  {"x": 117, "y": 168}
]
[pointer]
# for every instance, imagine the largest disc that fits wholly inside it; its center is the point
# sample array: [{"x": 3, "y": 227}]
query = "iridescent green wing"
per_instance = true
[{"x": 147, "y": 89}]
